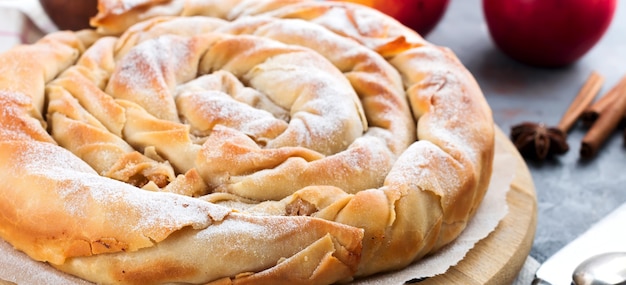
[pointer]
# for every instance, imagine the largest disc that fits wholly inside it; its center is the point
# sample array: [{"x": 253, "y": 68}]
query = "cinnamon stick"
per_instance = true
[
  {"x": 607, "y": 121},
  {"x": 581, "y": 102},
  {"x": 591, "y": 114}
]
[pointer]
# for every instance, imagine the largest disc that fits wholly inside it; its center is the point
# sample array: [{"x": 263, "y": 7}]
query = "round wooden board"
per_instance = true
[{"x": 499, "y": 257}]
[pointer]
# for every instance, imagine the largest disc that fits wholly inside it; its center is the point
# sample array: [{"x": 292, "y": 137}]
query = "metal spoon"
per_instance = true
[{"x": 603, "y": 269}]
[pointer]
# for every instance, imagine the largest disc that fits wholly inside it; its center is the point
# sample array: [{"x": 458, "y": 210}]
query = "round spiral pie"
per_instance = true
[{"x": 273, "y": 142}]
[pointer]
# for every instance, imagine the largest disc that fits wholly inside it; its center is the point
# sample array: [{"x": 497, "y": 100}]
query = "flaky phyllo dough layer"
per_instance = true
[{"x": 278, "y": 142}]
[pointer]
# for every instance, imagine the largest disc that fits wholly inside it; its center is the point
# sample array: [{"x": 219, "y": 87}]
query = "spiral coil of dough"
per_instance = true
[{"x": 244, "y": 142}]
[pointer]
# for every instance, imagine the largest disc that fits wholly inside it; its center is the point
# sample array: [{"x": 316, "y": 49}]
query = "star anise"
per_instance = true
[{"x": 535, "y": 140}]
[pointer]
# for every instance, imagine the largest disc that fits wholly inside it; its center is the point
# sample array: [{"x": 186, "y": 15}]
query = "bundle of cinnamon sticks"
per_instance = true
[{"x": 603, "y": 117}]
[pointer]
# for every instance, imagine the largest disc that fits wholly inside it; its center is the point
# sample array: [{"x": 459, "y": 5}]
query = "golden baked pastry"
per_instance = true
[{"x": 238, "y": 142}]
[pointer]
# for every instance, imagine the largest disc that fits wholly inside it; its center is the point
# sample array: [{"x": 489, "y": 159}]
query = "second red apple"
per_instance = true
[
  {"x": 549, "y": 33},
  {"x": 419, "y": 15}
]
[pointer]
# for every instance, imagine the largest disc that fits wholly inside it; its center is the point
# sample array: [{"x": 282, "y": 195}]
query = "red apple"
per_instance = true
[
  {"x": 419, "y": 15},
  {"x": 70, "y": 14},
  {"x": 548, "y": 33}
]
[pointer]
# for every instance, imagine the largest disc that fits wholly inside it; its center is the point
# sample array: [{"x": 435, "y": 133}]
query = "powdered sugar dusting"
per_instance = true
[
  {"x": 148, "y": 74},
  {"x": 446, "y": 93},
  {"x": 15, "y": 118},
  {"x": 44, "y": 159},
  {"x": 326, "y": 112},
  {"x": 424, "y": 166},
  {"x": 206, "y": 109},
  {"x": 240, "y": 231},
  {"x": 84, "y": 193}
]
